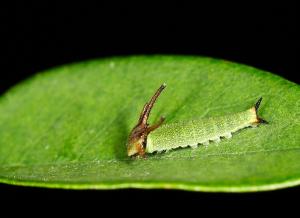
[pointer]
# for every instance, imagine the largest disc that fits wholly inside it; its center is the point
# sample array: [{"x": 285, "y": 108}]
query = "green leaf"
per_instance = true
[{"x": 67, "y": 127}]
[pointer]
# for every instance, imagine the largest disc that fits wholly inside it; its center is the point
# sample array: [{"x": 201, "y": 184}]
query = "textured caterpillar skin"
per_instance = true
[
  {"x": 146, "y": 138},
  {"x": 201, "y": 131}
]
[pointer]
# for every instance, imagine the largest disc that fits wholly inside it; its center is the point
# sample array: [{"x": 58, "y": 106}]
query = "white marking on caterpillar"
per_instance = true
[
  {"x": 228, "y": 135},
  {"x": 143, "y": 139},
  {"x": 205, "y": 143}
]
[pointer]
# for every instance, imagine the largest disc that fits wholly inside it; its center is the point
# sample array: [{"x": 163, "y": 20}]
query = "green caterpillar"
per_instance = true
[{"x": 186, "y": 133}]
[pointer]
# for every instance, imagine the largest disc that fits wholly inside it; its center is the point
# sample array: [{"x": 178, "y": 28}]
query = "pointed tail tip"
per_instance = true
[
  {"x": 257, "y": 104},
  {"x": 259, "y": 119}
]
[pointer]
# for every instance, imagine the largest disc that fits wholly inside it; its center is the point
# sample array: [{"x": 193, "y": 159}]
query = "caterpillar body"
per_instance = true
[{"x": 143, "y": 139}]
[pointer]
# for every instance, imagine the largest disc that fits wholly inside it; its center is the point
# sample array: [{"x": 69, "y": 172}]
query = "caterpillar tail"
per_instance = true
[{"x": 256, "y": 107}]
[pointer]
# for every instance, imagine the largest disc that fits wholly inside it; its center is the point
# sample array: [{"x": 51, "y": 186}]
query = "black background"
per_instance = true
[{"x": 37, "y": 37}]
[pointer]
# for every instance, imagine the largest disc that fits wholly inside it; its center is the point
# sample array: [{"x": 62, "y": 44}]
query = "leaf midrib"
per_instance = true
[{"x": 160, "y": 158}]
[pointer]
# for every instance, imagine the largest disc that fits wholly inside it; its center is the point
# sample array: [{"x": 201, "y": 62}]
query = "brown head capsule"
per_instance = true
[{"x": 138, "y": 136}]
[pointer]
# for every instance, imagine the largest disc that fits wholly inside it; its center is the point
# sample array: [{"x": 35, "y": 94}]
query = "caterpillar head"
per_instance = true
[{"x": 137, "y": 140}]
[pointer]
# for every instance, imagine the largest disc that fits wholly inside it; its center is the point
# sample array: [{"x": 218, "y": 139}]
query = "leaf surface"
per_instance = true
[{"x": 67, "y": 127}]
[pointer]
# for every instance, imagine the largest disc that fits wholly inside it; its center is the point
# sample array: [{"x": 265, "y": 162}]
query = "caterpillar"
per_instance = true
[{"x": 143, "y": 139}]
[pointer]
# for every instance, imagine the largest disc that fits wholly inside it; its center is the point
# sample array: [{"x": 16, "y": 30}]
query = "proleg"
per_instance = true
[{"x": 143, "y": 139}]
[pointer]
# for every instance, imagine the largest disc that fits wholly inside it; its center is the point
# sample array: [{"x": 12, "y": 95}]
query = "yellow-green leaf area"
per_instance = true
[{"x": 67, "y": 127}]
